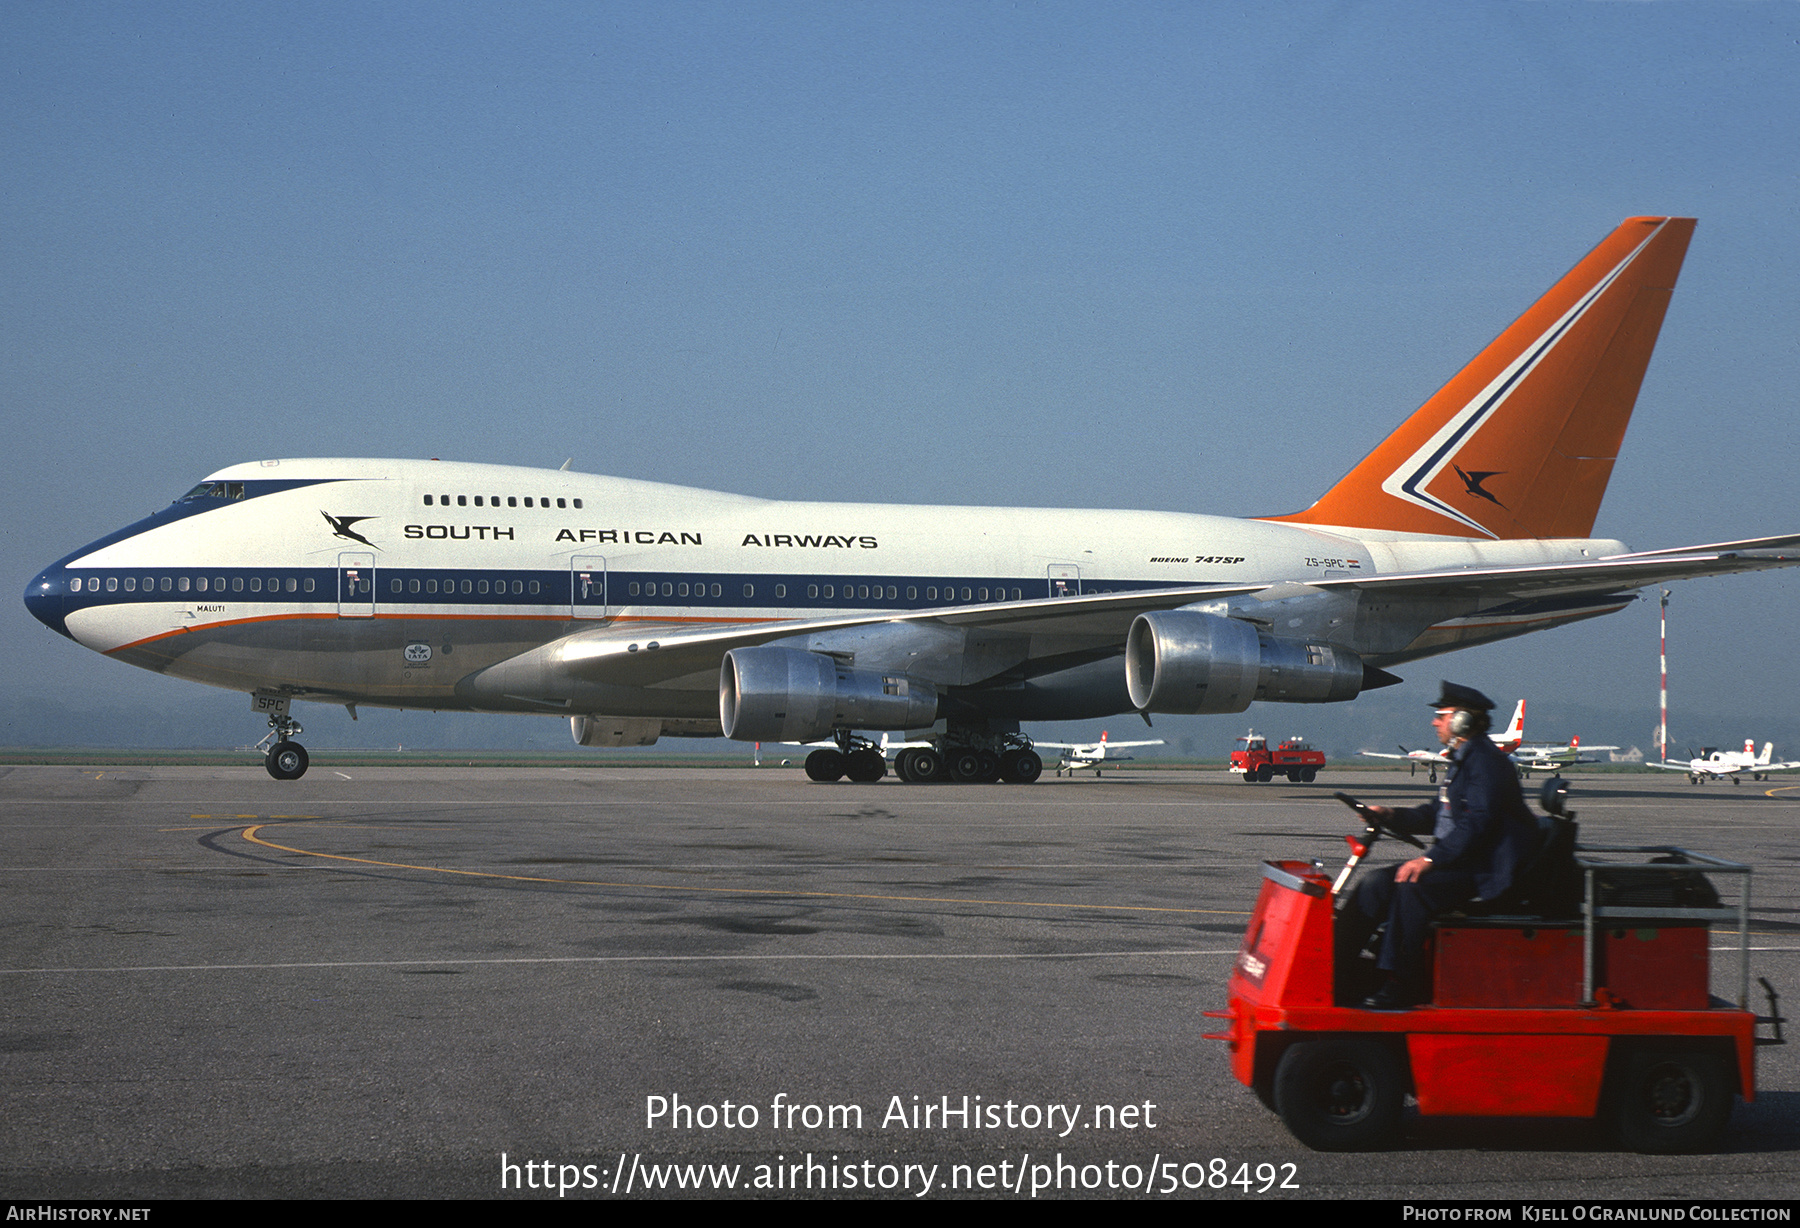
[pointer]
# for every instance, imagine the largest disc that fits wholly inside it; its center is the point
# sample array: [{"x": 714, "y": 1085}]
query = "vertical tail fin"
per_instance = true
[
  {"x": 1521, "y": 442},
  {"x": 1514, "y": 737}
]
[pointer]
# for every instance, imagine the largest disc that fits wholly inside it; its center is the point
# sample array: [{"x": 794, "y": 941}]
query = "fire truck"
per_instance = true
[
  {"x": 1294, "y": 758},
  {"x": 1601, "y": 1009}
]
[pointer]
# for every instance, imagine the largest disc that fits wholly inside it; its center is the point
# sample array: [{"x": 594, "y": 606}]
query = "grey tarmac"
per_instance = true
[{"x": 376, "y": 982}]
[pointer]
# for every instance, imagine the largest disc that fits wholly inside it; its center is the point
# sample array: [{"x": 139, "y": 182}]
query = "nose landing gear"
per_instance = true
[{"x": 284, "y": 758}]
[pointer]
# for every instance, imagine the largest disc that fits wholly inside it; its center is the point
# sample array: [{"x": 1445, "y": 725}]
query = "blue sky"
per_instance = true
[{"x": 1187, "y": 257}]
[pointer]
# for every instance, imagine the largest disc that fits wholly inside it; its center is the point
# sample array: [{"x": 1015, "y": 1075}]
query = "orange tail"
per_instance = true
[{"x": 1522, "y": 441}]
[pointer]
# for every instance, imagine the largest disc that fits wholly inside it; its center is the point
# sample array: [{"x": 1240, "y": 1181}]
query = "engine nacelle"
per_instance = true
[
  {"x": 789, "y": 695},
  {"x": 1183, "y": 661},
  {"x": 615, "y": 730}
]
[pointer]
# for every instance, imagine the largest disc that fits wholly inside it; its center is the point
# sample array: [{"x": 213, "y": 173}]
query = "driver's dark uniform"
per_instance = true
[{"x": 1484, "y": 835}]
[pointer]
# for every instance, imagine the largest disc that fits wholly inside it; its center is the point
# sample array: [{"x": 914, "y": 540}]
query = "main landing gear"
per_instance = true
[
  {"x": 858, "y": 758},
  {"x": 958, "y": 757},
  {"x": 284, "y": 758}
]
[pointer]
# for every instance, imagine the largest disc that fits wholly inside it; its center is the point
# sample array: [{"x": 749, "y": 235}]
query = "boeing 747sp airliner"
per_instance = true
[{"x": 636, "y": 609}]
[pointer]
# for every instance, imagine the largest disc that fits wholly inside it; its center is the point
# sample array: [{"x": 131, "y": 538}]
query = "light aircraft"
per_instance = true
[
  {"x": 635, "y": 609},
  {"x": 1430, "y": 760},
  {"x": 1433, "y": 760},
  {"x": 1078, "y": 755},
  {"x": 1712, "y": 764},
  {"x": 1554, "y": 756}
]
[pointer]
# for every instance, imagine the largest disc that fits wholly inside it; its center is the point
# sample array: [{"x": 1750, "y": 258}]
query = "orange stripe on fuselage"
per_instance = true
[
  {"x": 1535, "y": 457},
  {"x": 228, "y": 622}
]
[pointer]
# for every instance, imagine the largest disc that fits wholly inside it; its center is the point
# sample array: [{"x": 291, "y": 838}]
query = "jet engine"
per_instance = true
[
  {"x": 789, "y": 695},
  {"x": 1183, "y": 661}
]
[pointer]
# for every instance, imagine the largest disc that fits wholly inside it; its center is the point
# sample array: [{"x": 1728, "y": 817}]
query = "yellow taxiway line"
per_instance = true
[{"x": 251, "y": 834}]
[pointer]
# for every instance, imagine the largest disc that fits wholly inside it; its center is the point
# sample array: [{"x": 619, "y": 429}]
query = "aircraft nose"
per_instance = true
[{"x": 47, "y": 599}]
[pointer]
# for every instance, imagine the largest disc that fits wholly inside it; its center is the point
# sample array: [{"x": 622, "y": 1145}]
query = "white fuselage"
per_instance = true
[
  {"x": 389, "y": 582},
  {"x": 1726, "y": 762}
]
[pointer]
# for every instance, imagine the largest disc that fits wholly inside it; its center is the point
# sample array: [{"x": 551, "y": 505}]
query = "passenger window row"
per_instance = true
[
  {"x": 494, "y": 501},
  {"x": 830, "y": 592},
  {"x": 672, "y": 588},
  {"x": 497, "y": 587},
  {"x": 195, "y": 584},
  {"x": 873, "y": 592},
  {"x": 947, "y": 594}
]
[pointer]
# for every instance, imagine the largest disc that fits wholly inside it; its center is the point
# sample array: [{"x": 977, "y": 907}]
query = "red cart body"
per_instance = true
[{"x": 1607, "y": 1014}]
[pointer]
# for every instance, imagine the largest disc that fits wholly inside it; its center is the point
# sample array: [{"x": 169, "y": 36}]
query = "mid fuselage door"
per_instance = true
[
  {"x": 587, "y": 586},
  {"x": 1065, "y": 580}
]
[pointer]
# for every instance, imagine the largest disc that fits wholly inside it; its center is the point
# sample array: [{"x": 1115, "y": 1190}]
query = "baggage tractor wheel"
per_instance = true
[
  {"x": 1341, "y": 1093},
  {"x": 1670, "y": 1101}
]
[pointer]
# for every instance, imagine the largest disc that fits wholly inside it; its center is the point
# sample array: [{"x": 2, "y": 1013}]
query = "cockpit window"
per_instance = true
[{"x": 214, "y": 490}]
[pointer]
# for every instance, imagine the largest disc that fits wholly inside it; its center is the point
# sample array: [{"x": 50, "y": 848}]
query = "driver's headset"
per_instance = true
[{"x": 1463, "y": 723}]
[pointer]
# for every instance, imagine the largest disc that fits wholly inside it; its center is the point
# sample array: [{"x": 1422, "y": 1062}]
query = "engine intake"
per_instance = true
[
  {"x": 1183, "y": 661},
  {"x": 789, "y": 695}
]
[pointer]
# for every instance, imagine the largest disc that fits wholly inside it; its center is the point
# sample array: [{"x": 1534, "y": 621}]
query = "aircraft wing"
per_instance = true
[
  {"x": 1753, "y": 544},
  {"x": 648, "y": 654},
  {"x": 1619, "y": 573},
  {"x": 1092, "y": 626}
]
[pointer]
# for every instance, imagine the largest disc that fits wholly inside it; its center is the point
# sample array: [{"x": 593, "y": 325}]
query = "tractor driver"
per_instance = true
[{"x": 1483, "y": 836}]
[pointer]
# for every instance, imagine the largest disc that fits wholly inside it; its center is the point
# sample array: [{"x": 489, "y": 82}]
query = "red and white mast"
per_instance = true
[{"x": 1662, "y": 729}]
